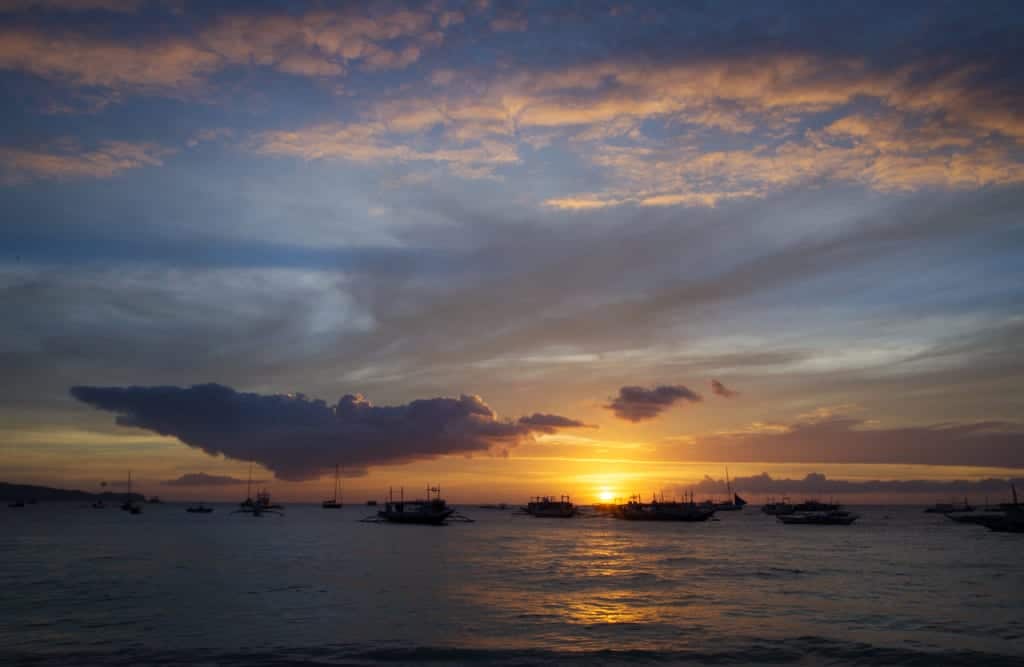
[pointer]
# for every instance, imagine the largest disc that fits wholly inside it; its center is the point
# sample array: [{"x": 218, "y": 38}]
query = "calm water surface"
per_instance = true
[{"x": 83, "y": 586}]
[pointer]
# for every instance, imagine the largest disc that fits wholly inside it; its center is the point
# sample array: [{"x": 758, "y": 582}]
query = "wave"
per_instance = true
[{"x": 800, "y": 650}]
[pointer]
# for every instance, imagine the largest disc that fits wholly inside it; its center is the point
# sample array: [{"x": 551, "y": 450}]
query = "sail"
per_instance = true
[{"x": 737, "y": 500}]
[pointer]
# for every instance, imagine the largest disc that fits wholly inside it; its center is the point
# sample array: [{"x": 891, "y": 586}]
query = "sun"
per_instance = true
[{"x": 605, "y": 496}]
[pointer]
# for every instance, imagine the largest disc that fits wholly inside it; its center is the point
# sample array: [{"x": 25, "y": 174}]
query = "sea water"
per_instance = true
[{"x": 103, "y": 587}]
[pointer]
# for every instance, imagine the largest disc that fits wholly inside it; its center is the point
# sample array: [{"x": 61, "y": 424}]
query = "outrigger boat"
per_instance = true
[
  {"x": 548, "y": 507},
  {"x": 660, "y": 510},
  {"x": 433, "y": 511}
]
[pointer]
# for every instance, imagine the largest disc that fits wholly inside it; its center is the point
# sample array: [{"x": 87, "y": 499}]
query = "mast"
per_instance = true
[
  {"x": 335, "y": 482},
  {"x": 248, "y": 484}
]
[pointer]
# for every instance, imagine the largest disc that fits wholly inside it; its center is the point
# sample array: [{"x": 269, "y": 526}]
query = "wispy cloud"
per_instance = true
[
  {"x": 104, "y": 161},
  {"x": 719, "y": 389}
]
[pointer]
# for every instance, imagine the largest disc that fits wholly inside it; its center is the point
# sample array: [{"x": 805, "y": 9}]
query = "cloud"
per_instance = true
[
  {"x": 301, "y": 439},
  {"x": 720, "y": 389},
  {"x": 835, "y": 438},
  {"x": 202, "y": 479},
  {"x": 118, "y": 6},
  {"x": 315, "y": 44},
  {"x": 550, "y": 423},
  {"x": 67, "y": 162},
  {"x": 637, "y": 404},
  {"x": 818, "y": 485}
]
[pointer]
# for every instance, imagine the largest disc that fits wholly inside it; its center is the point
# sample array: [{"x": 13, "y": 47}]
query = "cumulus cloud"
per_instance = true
[
  {"x": 818, "y": 484},
  {"x": 835, "y": 438},
  {"x": 202, "y": 479},
  {"x": 637, "y": 404},
  {"x": 720, "y": 389},
  {"x": 299, "y": 438}
]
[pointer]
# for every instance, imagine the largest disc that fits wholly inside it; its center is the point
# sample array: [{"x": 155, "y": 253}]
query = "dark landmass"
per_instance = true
[{"x": 30, "y": 492}]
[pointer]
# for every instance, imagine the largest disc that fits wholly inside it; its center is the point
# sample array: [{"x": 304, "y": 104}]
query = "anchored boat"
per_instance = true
[
  {"x": 548, "y": 507},
  {"x": 333, "y": 503},
  {"x": 660, "y": 510}
]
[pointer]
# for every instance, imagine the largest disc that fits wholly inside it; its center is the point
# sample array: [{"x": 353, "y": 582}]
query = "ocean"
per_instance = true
[{"x": 102, "y": 587}]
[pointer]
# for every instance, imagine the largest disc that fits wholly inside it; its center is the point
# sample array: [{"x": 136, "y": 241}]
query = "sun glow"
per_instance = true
[{"x": 605, "y": 495}]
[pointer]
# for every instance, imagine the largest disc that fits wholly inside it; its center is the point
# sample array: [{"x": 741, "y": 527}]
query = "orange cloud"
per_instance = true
[{"x": 110, "y": 158}]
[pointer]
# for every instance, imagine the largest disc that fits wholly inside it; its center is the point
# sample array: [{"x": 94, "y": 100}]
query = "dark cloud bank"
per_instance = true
[
  {"x": 637, "y": 404},
  {"x": 202, "y": 479},
  {"x": 817, "y": 484},
  {"x": 299, "y": 438},
  {"x": 844, "y": 439}
]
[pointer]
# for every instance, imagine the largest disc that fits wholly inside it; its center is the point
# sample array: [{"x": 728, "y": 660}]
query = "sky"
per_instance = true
[{"x": 513, "y": 248}]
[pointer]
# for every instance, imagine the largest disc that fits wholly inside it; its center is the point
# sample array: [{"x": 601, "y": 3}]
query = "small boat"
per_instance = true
[
  {"x": 333, "y": 503},
  {"x": 432, "y": 511},
  {"x": 17, "y": 504},
  {"x": 819, "y": 518},
  {"x": 154, "y": 500},
  {"x": 549, "y": 508},
  {"x": 199, "y": 509},
  {"x": 656, "y": 510},
  {"x": 129, "y": 504},
  {"x": 946, "y": 508},
  {"x": 735, "y": 503},
  {"x": 497, "y": 506},
  {"x": 371, "y": 503}
]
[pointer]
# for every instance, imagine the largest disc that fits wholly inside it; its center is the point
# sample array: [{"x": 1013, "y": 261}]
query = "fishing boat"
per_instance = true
[
  {"x": 549, "y": 508},
  {"x": 660, "y": 510},
  {"x": 432, "y": 511},
  {"x": 819, "y": 518},
  {"x": 333, "y": 503},
  {"x": 199, "y": 509}
]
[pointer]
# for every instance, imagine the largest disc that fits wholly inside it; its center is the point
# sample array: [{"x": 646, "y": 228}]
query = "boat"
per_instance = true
[
  {"x": 498, "y": 506},
  {"x": 946, "y": 508},
  {"x": 774, "y": 508},
  {"x": 333, "y": 503},
  {"x": 735, "y": 503},
  {"x": 816, "y": 506},
  {"x": 371, "y": 503},
  {"x": 129, "y": 504},
  {"x": 199, "y": 509},
  {"x": 819, "y": 518},
  {"x": 660, "y": 510},
  {"x": 432, "y": 511},
  {"x": 548, "y": 507},
  {"x": 17, "y": 504},
  {"x": 1007, "y": 518}
]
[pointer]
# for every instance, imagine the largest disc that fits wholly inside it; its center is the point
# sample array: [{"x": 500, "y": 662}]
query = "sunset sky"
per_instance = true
[{"x": 513, "y": 248}]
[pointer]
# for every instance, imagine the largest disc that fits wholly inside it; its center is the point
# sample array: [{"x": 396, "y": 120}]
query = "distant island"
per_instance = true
[{"x": 30, "y": 492}]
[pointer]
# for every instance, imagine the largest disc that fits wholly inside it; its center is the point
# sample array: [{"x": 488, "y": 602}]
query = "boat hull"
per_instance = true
[{"x": 419, "y": 518}]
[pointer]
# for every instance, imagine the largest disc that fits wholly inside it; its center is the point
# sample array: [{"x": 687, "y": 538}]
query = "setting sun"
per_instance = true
[{"x": 605, "y": 496}]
